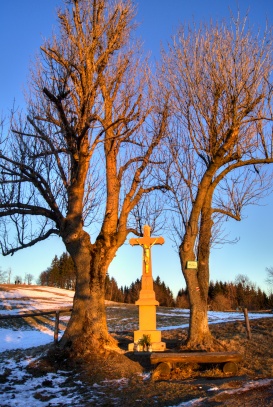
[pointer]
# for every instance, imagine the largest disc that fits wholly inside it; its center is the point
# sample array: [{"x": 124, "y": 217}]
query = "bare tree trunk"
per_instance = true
[
  {"x": 198, "y": 280},
  {"x": 199, "y": 335},
  {"x": 87, "y": 328}
]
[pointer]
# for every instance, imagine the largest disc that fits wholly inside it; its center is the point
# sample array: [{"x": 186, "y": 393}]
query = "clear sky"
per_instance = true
[{"x": 23, "y": 26}]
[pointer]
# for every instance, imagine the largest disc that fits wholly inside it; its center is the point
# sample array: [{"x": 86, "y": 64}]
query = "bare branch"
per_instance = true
[{"x": 31, "y": 243}]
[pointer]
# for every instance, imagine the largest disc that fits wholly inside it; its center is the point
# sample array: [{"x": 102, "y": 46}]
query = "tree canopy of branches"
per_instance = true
[
  {"x": 82, "y": 157},
  {"x": 219, "y": 77}
]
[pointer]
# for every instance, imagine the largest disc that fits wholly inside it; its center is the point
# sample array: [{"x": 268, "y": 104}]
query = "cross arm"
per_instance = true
[
  {"x": 159, "y": 240},
  {"x": 134, "y": 241}
]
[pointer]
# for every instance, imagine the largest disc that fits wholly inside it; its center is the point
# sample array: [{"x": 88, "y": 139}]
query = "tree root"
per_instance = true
[
  {"x": 87, "y": 343},
  {"x": 207, "y": 343},
  {"x": 93, "y": 365}
]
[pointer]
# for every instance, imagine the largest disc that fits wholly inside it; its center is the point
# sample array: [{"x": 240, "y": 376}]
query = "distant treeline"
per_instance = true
[
  {"x": 231, "y": 296},
  {"x": 131, "y": 294},
  {"x": 221, "y": 296},
  {"x": 61, "y": 273}
]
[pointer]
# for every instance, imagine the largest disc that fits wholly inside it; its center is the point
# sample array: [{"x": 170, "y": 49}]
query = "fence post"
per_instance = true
[
  {"x": 247, "y": 324},
  {"x": 56, "y": 330}
]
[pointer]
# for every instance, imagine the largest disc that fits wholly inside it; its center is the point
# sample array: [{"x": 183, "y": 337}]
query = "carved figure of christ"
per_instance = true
[{"x": 146, "y": 242}]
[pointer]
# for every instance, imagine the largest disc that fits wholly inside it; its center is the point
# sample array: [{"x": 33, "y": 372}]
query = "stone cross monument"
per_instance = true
[{"x": 147, "y": 302}]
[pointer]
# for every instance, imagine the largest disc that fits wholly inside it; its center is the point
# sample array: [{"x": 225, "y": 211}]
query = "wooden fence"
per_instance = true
[{"x": 35, "y": 314}]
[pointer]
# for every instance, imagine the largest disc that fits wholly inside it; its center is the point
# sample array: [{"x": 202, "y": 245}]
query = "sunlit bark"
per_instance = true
[
  {"x": 82, "y": 156},
  {"x": 221, "y": 137}
]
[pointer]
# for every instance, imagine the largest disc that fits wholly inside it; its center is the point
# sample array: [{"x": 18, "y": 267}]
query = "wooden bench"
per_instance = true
[{"x": 168, "y": 359}]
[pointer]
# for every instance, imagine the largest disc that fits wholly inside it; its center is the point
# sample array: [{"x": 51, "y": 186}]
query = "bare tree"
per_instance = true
[
  {"x": 3, "y": 276},
  {"x": 84, "y": 155},
  {"x": 221, "y": 137},
  {"x": 28, "y": 278},
  {"x": 9, "y": 271},
  {"x": 269, "y": 279}
]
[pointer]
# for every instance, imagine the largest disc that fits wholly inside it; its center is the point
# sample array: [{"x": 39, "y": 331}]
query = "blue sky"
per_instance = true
[{"x": 23, "y": 26}]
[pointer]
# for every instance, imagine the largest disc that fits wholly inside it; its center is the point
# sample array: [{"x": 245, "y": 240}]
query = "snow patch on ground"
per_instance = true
[
  {"x": 23, "y": 389},
  {"x": 24, "y": 339}
]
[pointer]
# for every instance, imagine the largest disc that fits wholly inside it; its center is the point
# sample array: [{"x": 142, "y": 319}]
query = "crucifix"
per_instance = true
[
  {"x": 147, "y": 302},
  {"x": 147, "y": 242}
]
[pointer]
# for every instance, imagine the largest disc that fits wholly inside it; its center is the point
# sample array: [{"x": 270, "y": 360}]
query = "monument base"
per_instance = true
[
  {"x": 157, "y": 345},
  {"x": 154, "y": 335}
]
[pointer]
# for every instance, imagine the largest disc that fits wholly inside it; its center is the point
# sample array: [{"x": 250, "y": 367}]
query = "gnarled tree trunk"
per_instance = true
[
  {"x": 199, "y": 336},
  {"x": 198, "y": 281},
  {"x": 87, "y": 328}
]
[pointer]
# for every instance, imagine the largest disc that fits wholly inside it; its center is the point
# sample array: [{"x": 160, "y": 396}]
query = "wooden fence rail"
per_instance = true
[{"x": 41, "y": 313}]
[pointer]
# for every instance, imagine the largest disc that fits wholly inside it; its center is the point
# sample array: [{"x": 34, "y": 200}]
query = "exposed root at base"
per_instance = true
[
  {"x": 82, "y": 345},
  {"x": 93, "y": 365},
  {"x": 209, "y": 344}
]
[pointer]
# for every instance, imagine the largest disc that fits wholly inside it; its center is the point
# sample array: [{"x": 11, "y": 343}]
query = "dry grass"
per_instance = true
[{"x": 257, "y": 352}]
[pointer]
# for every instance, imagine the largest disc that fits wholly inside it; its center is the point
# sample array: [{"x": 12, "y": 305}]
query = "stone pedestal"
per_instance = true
[{"x": 147, "y": 322}]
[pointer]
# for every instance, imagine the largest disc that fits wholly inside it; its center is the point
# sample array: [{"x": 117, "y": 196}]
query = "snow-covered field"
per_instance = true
[
  {"x": 19, "y": 388},
  {"x": 22, "y": 299}
]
